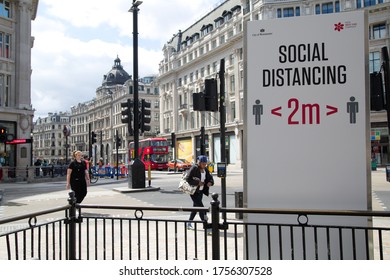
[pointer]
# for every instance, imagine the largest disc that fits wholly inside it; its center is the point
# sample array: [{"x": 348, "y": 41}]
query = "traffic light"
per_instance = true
[
  {"x": 144, "y": 118},
  {"x": 118, "y": 141},
  {"x": 173, "y": 140},
  {"x": 198, "y": 101},
  {"x": 93, "y": 137},
  {"x": 3, "y": 134},
  {"x": 210, "y": 94},
  {"x": 207, "y": 100},
  {"x": 126, "y": 115}
]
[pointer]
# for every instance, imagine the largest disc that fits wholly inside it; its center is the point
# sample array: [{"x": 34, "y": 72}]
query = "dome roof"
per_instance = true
[{"x": 117, "y": 75}]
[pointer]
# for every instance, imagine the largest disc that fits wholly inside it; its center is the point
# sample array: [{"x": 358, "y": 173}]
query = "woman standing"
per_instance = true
[
  {"x": 199, "y": 176},
  {"x": 77, "y": 177}
]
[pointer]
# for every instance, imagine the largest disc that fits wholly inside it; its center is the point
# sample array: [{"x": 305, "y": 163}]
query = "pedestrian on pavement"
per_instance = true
[
  {"x": 199, "y": 176},
  {"x": 77, "y": 177},
  {"x": 37, "y": 165}
]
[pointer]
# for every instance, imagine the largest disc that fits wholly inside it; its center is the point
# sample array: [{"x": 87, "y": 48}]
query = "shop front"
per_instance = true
[{"x": 379, "y": 146}]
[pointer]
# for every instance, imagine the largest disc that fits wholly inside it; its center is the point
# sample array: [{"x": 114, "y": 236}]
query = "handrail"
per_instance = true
[
  {"x": 359, "y": 213},
  {"x": 34, "y": 214},
  {"x": 143, "y": 208}
]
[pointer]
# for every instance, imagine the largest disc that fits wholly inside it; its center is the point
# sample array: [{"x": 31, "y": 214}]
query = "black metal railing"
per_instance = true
[
  {"x": 114, "y": 232},
  {"x": 46, "y": 240},
  {"x": 348, "y": 235}
]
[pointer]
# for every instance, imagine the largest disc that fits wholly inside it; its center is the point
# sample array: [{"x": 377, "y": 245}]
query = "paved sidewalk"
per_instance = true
[{"x": 103, "y": 195}]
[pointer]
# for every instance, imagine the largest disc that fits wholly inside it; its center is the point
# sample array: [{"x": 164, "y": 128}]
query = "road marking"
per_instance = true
[{"x": 379, "y": 201}]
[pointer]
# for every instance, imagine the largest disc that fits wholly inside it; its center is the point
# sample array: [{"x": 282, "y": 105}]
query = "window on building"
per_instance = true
[
  {"x": 201, "y": 50},
  {"x": 192, "y": 120},
  {"x": 218, "y": 22},
  {"x": 5, "y": 9},
  {"x": 374, "y": 62},
  {"x": 195, "y": 37},
  {"x": 203, "y": 31},
  {"x": 5, "y": 45},
  {"x": 327, "y": 8},
  {"x": 288, "y": 12},
  {"x": 5, "y": 84},
  {"x": 368, "y": 3},
  {"x": 156, "y": 104},
  {"x": 222, "y": 39},
  {"x": 156, "y": 117},
  {"x": 232, "y": 83},
  {"x": 241, "y": 79},
  {"x": 379, "y": 31},
  {"x": 318, "y": 9},
  {"x": 297, "y": 11},
  {"x": 227, "y": 15},
  {"x": 202, "y": 72},
  {"x": 180, "y": 122},
  {"x": 231, "y": 59},
  {"x": 232, "y": 111},
  {"x": 246, "y": 7},
  {"x": 214, "y": 67},
  {"x": 206, "y": 29},
  {"x": 214, "y": 44}
]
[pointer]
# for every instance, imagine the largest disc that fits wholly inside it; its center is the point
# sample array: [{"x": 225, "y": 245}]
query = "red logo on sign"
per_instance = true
[{"x": 339, "y": 26}]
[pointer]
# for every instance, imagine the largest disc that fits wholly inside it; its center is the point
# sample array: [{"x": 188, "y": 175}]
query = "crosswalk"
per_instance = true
[
  {"x": 376, "y": 197},
  {"x": 1, "y": 211}
]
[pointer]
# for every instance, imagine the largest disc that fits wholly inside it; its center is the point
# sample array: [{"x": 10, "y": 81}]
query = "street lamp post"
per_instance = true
[
  {"x": 136, "y": 168},
  {"x": 134, "y": 9},
  {"x": 66, "y": 132}
]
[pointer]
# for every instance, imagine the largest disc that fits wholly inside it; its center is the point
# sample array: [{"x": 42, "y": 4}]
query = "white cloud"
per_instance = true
[{"x": 76, "y": 43}]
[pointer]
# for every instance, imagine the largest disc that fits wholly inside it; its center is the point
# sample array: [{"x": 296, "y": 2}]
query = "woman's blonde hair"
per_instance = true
[{"x": 75, "y": 153}]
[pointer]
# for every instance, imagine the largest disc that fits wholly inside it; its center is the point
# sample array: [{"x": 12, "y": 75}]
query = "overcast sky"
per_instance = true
[{"x": 76, "y": 43}]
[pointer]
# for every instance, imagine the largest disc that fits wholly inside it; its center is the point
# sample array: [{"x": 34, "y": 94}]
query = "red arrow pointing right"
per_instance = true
[{"x": 333, "y": 110}]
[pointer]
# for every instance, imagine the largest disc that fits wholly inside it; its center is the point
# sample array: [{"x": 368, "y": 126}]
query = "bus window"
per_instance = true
[{"x": 159, "y": 158}]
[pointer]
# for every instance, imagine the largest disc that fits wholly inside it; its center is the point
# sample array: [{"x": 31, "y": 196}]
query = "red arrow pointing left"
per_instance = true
[
  {"x": 275, "y": 112},
  {"x": 333, "y": 110}
]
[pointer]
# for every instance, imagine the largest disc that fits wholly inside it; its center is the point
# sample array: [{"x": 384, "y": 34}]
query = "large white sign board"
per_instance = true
[{"x": 307, "y": 122}]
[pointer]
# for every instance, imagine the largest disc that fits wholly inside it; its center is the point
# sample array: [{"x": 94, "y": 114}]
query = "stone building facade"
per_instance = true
[
  {"x": 193, "y": 55},
  {"x": 102, "y": 115},
  {"x": 16, "y": 111}
]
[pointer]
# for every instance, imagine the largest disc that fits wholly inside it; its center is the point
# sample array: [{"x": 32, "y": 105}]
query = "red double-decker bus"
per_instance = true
[{"x": 153, "y": 152}]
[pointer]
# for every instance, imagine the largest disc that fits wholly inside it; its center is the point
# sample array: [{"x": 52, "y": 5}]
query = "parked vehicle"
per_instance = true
[{"x": 181, "y": 165}]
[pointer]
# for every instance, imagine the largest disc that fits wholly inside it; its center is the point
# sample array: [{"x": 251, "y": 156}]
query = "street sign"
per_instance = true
[{"x": 307, "y": 121}]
